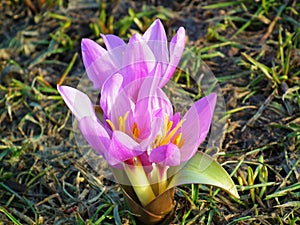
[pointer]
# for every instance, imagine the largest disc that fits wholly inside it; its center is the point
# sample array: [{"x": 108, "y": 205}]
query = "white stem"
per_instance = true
[
  {"x": 162, "y": 185},
  {"x": 159, "y": 177},
  {"x": 139, "y": 182}
]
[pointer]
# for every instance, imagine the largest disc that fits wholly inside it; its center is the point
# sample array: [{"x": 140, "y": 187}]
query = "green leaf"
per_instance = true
[{"x": 203, "y": 169}]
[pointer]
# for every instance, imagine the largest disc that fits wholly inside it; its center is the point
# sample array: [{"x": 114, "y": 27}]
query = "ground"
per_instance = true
[{"x": 251, "y": 47}]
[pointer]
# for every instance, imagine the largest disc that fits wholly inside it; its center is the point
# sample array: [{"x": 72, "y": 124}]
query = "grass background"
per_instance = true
[{"x": 252, "y": 47}]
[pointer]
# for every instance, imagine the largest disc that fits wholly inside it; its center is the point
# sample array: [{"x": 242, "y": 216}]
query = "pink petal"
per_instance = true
[
  {"x": 121, "y": 105},
  {"x": 151, "y": 97},
  {"x": 151, "y": 102},
  {"x": 156, "y": 38},
  {"x": 116, "y": 47},
  {"x": 176, "y": 49},
  {"x": 78, "y": 102},
  {"x": 143, "y": 86},
  {"x": 177, "y": 46},
  {"x": 142, "y": 117},
  {"x": 154, "y": 103},
  {"x": 196, "y": 125},
  {"x": 122, "y": 148},
  {"x": 98, "y": 63},
  {"x": 155, "y": 32},
  {"x": 109, "y": 93},
  {"x": 91, "y": 51},
  {"x": 166, "y": 155},
  {"x": 138, "y": 60},
  {"x": 112, "y": 41},
  {"x": 95, "y": 134},
  {"x": 176, "y": 119},
  {"x": 157, "y": 125}
]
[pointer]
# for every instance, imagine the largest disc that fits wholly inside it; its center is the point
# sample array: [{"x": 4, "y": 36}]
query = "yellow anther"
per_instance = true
[
  {"x": 135, "y": 130},
  {"x": 167, "y": 139},
  {"x": 156, "y": 141},
  {"x": 177, "y": 139},
  {"x": 165, "y": 126},
  {"x": 169, "y": 126},
  {"x": 122, "y": 121},
  {"x": 110, "y": 124}
]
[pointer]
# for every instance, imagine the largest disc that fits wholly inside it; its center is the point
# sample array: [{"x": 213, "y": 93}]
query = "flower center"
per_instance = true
[
  {"x": 135, "y": 131},
  {"x": 169, "y": 134},
  {"x": 121, "y": 123}
]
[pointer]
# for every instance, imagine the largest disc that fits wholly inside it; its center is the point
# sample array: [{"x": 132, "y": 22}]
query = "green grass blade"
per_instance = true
[{"x": 11, "y": 217}]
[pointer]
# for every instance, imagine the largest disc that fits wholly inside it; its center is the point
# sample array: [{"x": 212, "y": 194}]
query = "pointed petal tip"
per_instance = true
[
  {"x": 212, "y": 96},
  {"x": 77, "y": 101},
  {"x": 112, "y": 41},
  {"x": 91, "y": 48},
  {"x": 212, "y": 99},
  {"x": 157, "y": 22},
  {"x": 180, "y": 34},
  {"x": 85, "y": 42},
  {"x": 62, "y": 88},
  {"x": 136, "y": 37},
  {"x": 181, "y": 31}
]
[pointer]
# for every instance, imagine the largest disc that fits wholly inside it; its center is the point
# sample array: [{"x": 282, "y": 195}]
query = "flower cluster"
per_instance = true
[{"x": 138, "y": 126}]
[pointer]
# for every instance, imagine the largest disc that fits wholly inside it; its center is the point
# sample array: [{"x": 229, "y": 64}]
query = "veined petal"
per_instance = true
[
  {"x": 148, "y": 86},
  {"x": 91, "y": 51},
  {"x": 177, "y": 46},
  {"x": 148, "y": 106},
  {"x": 140, "y": 87},
  {"x": 122, "y": 104},
  {"x": 112, "y": 41},
  {"x": 151, "y": 97},
  {"x": 156, "y": 38},
  {"x": 138, "y": 60},
  {"x": 155, "y": 32},
  {"x": 78, "y": 102},
  {"x": 109, "y": 93},
  {"x": 98, "y": 63},
  {"x": 176, "y": 49},
  {"x": 116, "y": 48},
  {"x": 166, "y": 155},
  {"x": 196, "y": 125},
  {"x": 122, "y": 148},
  {"x": 157, "y": 125},
  {"x": 153, "y": 103},
  {"x": 175, "y": 119},
  {"x": 142, "y": 117},
  {"x": 95, "y": 134}
]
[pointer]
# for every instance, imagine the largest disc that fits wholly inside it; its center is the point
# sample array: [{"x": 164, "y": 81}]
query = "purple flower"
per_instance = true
[
  {"x": 136, "y": 59},
  {"x": 138, "y": 119},
  {"x": 145, "y": 127},
  {"x": 138, "y": 133}
]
